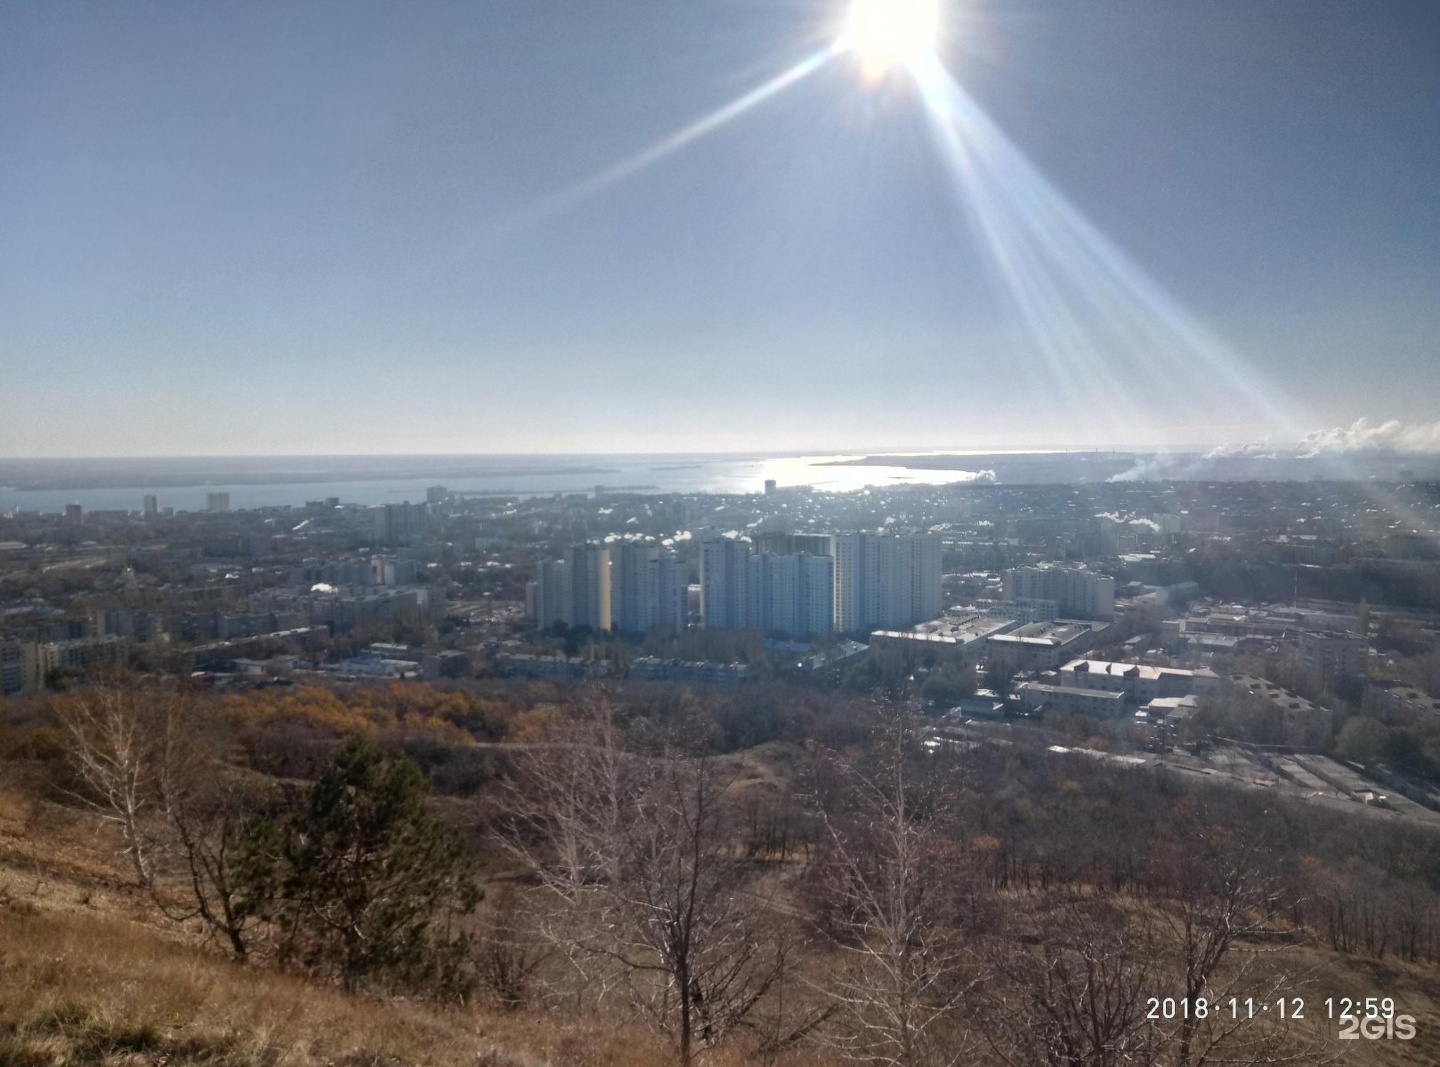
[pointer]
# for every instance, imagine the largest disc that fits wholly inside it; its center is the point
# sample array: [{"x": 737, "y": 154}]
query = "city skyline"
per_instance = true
[{"x": 552, "y": 229}]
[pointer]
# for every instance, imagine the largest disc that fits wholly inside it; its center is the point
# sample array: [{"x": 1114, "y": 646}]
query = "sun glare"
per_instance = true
[{"x": 883, "y": 33}]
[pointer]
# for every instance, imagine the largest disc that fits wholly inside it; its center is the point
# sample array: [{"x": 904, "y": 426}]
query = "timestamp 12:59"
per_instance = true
[{"x": 1279, "y": 1008}]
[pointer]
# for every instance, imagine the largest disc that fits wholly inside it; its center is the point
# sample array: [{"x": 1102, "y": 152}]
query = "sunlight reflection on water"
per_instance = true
[{"x": 832, "y": 474}]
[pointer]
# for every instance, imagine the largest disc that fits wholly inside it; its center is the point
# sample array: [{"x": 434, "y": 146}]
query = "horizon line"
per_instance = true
[{"x": 756, "y": 452}]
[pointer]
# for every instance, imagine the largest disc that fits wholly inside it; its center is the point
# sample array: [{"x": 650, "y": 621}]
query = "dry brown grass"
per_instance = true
[
  {"x": 1415, "y": 989},
  {"x": 61, "y": 858},
  {"x": 96, "y": 988},
  {"x": 90, "y": 975},
  {"x": 92, "y": 988}
]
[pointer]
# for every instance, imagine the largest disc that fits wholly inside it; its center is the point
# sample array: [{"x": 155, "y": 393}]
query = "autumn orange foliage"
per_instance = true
[{"x": 410, "y": 709}]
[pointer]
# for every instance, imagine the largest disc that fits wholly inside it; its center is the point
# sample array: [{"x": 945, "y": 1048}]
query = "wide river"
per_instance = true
[{"x": 507, "y": 475}]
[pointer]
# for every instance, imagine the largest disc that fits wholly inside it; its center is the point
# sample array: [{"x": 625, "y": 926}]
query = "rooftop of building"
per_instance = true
[
  {"x": 1141, "y": 670},
  {"x": 694, "y": 664},
  {"x": 1168, "y": 705},
  {"x": 1275, "y": 694},
  {"x": 955, "y": 629},
  {"x": 1123, "y": 670},
  {"x": 1104, "y": 695},
  {"x": 1059, "y": 632},
  {"x": 1058, "y": 565},
  {"x": 1406, "y": 694}
]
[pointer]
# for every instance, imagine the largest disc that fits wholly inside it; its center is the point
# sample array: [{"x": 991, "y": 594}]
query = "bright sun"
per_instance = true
[{"x": 883, "y": 33}]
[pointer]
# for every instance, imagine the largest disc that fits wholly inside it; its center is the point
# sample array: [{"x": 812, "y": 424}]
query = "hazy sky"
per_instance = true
[{"x": 333, "y": 227}]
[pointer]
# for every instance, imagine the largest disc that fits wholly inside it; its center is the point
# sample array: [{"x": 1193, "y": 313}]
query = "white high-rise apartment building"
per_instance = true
[
  {"x": 925, "y": 578},
  {"x": 648, "y": 588},
  {"x": 817, "y": 599},
  {"x": 672, "y": 593},
  {"x": 792, "y": 594},
  {"x": 398, "y": 524},
  {"x": 552, "y": 593},
  {"x": 634, "y": 594},
  {"x": 590, "y": 586},
  {"x": 1079, "y": 592},
  {"x": 771, "y": 592},
  {"x": 853, "y": 583},
  {"x": 886, "y": 581},
  {"x": 725, "y": 583},
  {"x": 630, "y": 587}
]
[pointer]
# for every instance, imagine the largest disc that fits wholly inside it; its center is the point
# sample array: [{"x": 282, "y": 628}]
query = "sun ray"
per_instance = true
[
  {"x": 573, "y": 195},
  {"x": 1115, "y": 341},
  {"x": 1084, "y": 302}
]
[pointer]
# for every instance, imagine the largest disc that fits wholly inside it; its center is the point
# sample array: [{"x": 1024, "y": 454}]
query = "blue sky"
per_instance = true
[{"x": 302, "y": 227}]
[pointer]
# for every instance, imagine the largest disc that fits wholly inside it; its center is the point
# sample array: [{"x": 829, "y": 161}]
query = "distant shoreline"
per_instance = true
[
  {"x": 51, "y": 484},
  {"x": 959, "y": 461},
  {"x": 156, "y": 479}
]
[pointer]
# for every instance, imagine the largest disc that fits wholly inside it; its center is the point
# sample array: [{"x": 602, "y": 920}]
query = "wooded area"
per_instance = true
[{"x": 870, "y": 895}]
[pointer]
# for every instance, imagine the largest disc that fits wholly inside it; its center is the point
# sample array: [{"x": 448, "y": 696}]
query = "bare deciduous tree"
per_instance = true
[
  {"x": 650, "y": 898},
  {"x": 122, "y": 734},
  {"x": 696, "y": 951},
  {"x": 223, "y": 851},
  {"x": 1074, "y": 995},
  {"x": 882, "y": 873},
  {"x": 142, "y": 751},
  {"x": 1222, "y": 899},
  {"x": 1103, "y": 980},
  {"x": 565, "y": 827},
  {"x": 508, "y": 954}
]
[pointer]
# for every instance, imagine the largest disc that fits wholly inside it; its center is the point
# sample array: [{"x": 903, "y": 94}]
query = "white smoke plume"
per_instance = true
[
  {"x": 1255, "y": 450},
  {"x": 1158, "y": 468},
  {"x": 1363, "y": 435},
  {"x": 1363, "y": 441}
]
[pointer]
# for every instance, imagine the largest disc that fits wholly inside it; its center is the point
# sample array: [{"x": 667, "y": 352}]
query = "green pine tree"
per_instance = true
[{"x": 373, "y": 882}]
